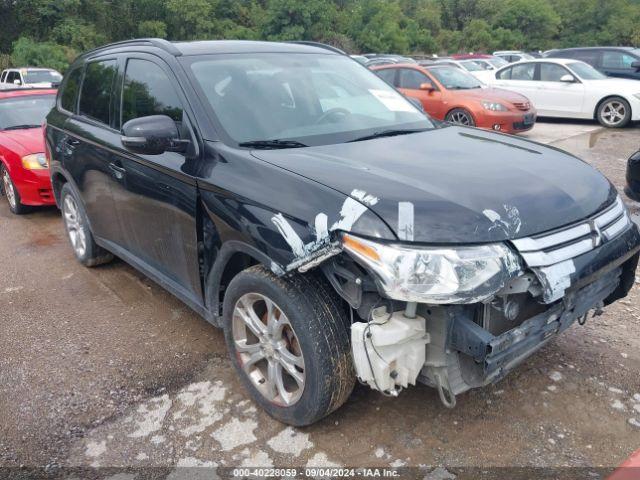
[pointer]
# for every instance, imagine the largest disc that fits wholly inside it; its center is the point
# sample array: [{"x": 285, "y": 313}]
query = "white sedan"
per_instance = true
[
  {"x": 573, "y": 89},
  {"x": 471, "y": 66}
]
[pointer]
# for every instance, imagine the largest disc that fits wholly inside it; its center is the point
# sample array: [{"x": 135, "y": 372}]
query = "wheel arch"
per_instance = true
[{"x": 234, "y": 256}]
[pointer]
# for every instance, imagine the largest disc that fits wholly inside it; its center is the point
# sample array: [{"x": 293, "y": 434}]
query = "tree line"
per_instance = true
[{"x": 52, "y": 32}]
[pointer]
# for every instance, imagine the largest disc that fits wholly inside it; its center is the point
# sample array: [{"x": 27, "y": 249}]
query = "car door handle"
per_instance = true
[
  {"x": 117, "y": 170},
  {"x": 73, "y": 142}
]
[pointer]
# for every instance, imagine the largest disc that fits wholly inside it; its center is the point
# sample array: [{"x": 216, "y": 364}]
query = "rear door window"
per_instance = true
[
  {"x": 588, "y": 56},
  {"x": 97, "y": 88},
  {"x": 69, "y": 94}
]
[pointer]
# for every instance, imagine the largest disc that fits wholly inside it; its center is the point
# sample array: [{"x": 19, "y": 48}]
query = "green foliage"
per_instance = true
[
  {"x": 50, "y": 32},
  {"x": 27, "y": 52}
]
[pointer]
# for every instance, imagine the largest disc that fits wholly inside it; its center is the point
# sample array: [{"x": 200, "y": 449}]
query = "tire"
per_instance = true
[
  {"x": 75, "y": 221},
  {"x": 614, "y": 112},
  {"x": 313, "y": 343},
  {"x": 11, "y": 193},
  {"x": 460, "y": 116}
]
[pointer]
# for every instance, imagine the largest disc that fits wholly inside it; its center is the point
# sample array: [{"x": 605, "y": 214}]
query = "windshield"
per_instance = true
[
  {"x": 42, "y": 76},
  {"x": 454, "y": 78},
  {"x": 472, "y": 65},
  {"x": 586, "y": 71},
  {"x": 25, "y": 111},
  {"x": 315, "y": 99}
]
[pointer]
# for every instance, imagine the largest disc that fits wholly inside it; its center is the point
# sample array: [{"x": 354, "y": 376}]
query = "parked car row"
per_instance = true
[
  {"x": 29, "y": 78},
  {"x": 300, "y": 202}
]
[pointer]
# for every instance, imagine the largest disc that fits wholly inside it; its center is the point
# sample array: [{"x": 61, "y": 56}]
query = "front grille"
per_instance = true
[
  {"x": 522, "y": 105},
  {"x": 569, "y": 242}
]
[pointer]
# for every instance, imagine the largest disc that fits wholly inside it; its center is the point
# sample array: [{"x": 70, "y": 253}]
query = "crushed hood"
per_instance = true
[{"x": 456, "y": 184}]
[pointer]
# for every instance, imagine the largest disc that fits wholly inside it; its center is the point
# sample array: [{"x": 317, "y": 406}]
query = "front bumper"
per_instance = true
[
  {"x": 508, "y": 122},
  {"x": 34, "y": 186}
]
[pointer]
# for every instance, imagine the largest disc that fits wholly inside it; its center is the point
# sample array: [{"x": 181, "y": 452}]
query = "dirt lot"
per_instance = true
[{"x": 101, "y": 367}]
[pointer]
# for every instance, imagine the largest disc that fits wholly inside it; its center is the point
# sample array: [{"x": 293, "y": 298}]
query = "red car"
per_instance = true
[
  {"x": 24, "y": 173},
  {"x": 454, "y": 95}
]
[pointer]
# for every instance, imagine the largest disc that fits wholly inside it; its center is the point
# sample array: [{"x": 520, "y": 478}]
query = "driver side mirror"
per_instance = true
[
  {"x": 152, "y": 135},
  {"x": 567, "y": 78},
  {"x": 17, "y": 82},
  {"x": 636, "y": 65},
  {"x": 427, "y": 87}
]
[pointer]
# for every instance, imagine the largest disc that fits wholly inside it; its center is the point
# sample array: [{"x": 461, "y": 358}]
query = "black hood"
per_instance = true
[{"x": 465, "y": 185}]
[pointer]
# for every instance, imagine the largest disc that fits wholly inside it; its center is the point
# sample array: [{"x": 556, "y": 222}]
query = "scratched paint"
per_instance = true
[
  {"x": 511, "y": 222},
  {"x": 555, "y": 279},
  {"x": 352, "y": 209},
  {"x": 405, "y": 221}
]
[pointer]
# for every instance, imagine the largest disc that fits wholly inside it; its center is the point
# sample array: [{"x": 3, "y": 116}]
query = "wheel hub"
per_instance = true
[{"x": 267, "y": 349}]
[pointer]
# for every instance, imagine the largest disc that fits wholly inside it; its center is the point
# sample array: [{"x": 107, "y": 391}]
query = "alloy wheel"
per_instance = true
[
  {"x": 8, "y": 188},
  {"x": 460, "y": 118},
  {"x": 268, "y": 349},
  {"x": 613, "y": 112},
  {"x": 75, "y": 229}
]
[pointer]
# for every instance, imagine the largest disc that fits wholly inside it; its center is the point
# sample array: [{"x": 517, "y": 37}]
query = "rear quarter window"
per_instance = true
[{"x": 70, "y": 89}]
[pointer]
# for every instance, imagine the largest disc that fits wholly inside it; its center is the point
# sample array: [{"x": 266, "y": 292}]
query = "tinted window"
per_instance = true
[
  {"x": 96, "y": 90},
  {"x": 587, "y": 56},
  {"x": 4, "y": 74},
  {"x": 148, "y": 91},
  {"x": 550, "y": 72},
  {"x": 388, "y": 75},
  {"x": 69, "y": 94},
  {"x": 13, "y": 76},
  {"x": 611, "y": 59},
  {"x": 411, "y": 79}
]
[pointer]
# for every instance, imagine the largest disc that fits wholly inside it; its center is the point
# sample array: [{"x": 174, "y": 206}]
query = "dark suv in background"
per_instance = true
[
  {"x": 292, "y": 197},
  {"x": 623, "y": 62}
]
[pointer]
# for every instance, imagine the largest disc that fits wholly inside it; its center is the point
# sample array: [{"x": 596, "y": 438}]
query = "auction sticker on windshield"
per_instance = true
[{"x": 392, "y": 100}]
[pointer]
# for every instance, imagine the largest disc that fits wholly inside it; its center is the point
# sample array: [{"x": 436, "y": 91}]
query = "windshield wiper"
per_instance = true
[
  {"x": 388, "y": 133},
  {"x": 21, "y": 127},
  {"x": 268, "y": 144}
]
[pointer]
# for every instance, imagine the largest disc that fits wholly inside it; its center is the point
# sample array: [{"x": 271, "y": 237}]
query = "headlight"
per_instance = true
[
  {"x": 36, "y": 161},
  {"x": 436, "y": 275},
  {"x": 494, "y": 106}
]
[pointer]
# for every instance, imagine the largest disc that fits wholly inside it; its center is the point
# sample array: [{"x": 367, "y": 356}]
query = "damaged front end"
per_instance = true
[{"x": 462, "y": 317}]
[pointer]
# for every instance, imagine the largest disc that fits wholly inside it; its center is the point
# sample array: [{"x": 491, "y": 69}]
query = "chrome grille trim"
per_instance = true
[{"x": 558, "y": 246}]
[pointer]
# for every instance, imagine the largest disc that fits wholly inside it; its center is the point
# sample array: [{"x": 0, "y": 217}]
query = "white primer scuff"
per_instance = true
[
  {"x": 352, "y": 209},
  {"x": 405, "y": 221},
  {"x": 555, "y": 279},
  {"x": 510, "y": 225}
]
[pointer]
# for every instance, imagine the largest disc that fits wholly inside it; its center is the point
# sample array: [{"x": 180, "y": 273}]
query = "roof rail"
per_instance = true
[
  {"x": 319, "y": 45},
  {"x": 165, "y": 45}
]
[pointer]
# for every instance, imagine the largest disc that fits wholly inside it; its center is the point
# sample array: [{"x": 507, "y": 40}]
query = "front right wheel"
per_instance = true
[{"x": 289, "y": 341}]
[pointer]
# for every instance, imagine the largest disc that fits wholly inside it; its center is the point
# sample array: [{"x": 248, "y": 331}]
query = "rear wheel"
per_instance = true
[
  {"x": 614, "y": 112},
  {"x": 11, "y": 193},
  {"x": 289, "y": 342},
  {"x": 460, "y": 116},
  {"x": 84, "y": 246}
]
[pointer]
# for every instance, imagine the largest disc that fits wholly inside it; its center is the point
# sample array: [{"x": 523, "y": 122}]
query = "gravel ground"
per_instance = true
[{"x": 101, "y": 367}]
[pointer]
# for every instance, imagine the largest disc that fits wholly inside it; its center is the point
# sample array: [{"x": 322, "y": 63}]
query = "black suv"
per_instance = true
[
  {"x": 287, "y": 194},
  {"x": 621, "y": 62}
]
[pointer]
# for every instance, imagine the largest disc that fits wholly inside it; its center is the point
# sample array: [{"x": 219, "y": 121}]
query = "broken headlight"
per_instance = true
[{"x": 436, "y": 275}]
